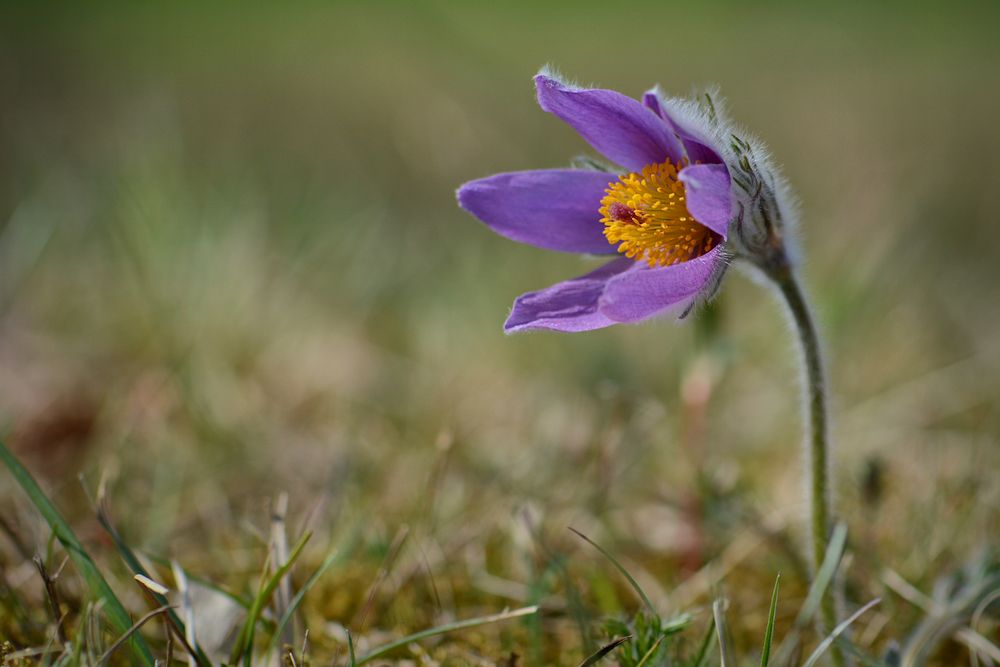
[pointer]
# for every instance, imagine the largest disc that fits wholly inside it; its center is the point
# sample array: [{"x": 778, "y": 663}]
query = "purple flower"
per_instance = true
[{"x": 666, "y": 210}]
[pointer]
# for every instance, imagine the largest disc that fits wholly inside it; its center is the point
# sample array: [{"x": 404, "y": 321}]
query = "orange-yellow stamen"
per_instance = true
[{"x": 646, "y": 216}]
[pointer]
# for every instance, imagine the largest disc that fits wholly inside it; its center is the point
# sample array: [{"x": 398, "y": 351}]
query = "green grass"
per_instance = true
[
  {"x": 649, "y": 638},
  {"x": 98, "y": 587},
  {"x": 232, "y": 269}
]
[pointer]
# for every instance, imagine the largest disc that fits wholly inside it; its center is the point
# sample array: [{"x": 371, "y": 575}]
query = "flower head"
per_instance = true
[{"x": 682, "y": 188}]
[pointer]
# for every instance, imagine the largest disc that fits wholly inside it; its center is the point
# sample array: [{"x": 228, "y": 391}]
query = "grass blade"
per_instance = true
[
  {"x": 791, "y": 646},
  {"x": 831, "y": 560},
  {"x": 151, "y": 589},
  {"x": 353, "y": 659},
  {"x": 632, "y": 582},
  {"x": 131, "y": 631},
  {"x": 598, "y": 655},
  {"x": 236, "y": 598},
  {"x": 244, "y": 645},
  {"x": 327, "y": 563},
  {"x": 769, "y": 632},
  {"x": 727, "y": 659},
  {"x": 443, "y": 629},
  {"x": 104, "y": 518},
  {"x": 52, "y": 595},
  {"x": 839, "y": 630},
  {"x": 651, "y": 651},
  {"x": 705, "y": 644},
  {"x": 99, "y": 588}
]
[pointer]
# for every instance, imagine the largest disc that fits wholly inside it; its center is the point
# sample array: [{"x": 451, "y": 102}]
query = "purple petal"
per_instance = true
[
  {"x": 707, "y": 191},
  {"x": 652, "y": 101},
  {"x": 567, "y": 306},
  {"x": 555, "y": 209},
  {"x": 697, "y": 147},
  {"x": 698, "y": 150},
  {"x": 621, "y": 128},
  {"x": 643, "y": 292}
]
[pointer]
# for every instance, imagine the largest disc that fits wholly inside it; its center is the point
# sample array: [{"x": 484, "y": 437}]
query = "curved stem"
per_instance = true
[{"x": 817, "y": 434}]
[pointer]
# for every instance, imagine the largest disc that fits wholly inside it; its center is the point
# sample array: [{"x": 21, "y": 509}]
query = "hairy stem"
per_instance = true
[{"x": 817, "y": 435}]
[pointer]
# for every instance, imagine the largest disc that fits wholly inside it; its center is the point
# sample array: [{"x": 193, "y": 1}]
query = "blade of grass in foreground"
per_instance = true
[
  {"x": 442, "y": 629},
  {"x": 705, "y": 644},
  {"x": 131, "y": 631},
  {"x": 839, "y": 630},
  {"x": 651, "y": 651},
  {"x": 621, "y": 568},
  {"x": 831, "y": 561},
  {"x": 769, "y": 632},
  {"x": 824, "y": 577},
  {"x": 328, "y": 562},
  {"x": 235, "y": 598},
  {"x": 99, "y": 588},
  {"x": 607, "y": 648},
  {"x": 726, "y": 657},
  {"x": 244, "y": 644},
  {"x": 104, "y": 518}
]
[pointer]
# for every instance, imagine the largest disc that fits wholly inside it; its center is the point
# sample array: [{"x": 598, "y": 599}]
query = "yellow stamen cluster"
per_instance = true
[{"x": 646, "y": 215}]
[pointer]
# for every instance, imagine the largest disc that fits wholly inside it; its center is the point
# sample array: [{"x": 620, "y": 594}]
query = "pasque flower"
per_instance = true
[
  {"x": 667, "y": 207},
  {"x": 688, "y": 194}
]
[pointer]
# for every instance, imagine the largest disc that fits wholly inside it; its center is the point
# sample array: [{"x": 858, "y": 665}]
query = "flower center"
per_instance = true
[{"x": 646, "y": 216}]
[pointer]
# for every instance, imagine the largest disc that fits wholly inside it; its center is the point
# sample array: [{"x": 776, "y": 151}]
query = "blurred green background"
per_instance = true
[{"x": 231, "y": 265}]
